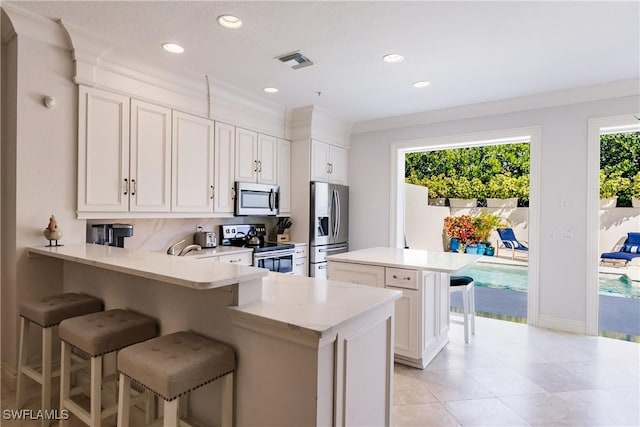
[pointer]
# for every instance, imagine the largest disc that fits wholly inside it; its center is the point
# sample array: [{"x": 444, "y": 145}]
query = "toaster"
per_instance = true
[{"x": 206, "y": 239}]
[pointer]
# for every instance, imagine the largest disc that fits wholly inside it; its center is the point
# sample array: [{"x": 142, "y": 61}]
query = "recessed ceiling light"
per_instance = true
[
  {"x": 421, "y": 84},
  {"x": 270, "y": 89},
  {"x": 393, "y": 58},
  {"x": 173, "y": 48},
  {"x": 229, "y": 21}
]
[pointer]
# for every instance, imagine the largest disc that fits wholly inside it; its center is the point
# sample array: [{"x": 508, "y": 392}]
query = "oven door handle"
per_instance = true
[{"x": 273, "y": 254}]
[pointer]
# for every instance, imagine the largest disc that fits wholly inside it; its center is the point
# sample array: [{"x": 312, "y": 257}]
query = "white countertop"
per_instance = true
[
  {"x": 217, "y": 251},
  {"x": 316, "y": 305},
  {"x": 183, "y": 271},
  {"x": 446, "y": 262}
]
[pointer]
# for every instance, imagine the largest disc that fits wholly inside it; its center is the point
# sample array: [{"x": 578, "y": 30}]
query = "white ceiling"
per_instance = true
[{"x": 472, "y": 52}]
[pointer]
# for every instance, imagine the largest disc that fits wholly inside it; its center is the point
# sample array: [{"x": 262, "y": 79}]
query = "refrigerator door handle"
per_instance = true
[
  {"x": 336, "y": 217},
  {"x": 339, "y": 215}
]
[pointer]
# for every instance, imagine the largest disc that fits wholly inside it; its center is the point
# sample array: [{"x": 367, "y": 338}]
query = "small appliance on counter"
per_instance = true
[
  {"x": 206, "y": 239},
  {"x": 273, "y": 256},
  {"x": 110, "y": 234}
]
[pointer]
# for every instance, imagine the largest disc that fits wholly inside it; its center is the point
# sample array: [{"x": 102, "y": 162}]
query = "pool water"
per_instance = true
[{"x": 504, "y": 276}]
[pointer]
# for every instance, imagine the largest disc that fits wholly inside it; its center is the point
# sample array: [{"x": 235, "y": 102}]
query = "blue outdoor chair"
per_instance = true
[
  {"x": 629, "y": 250},
  {"x": 509, "y": 241}
]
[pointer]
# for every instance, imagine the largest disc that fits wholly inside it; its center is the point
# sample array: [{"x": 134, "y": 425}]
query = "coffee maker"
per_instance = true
[{"x": 110, "y": 234}]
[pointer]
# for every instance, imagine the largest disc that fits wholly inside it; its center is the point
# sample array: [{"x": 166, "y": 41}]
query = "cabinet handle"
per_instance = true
[
  {"x": 255, "y": 169},
  {"x": 212, "y": 190},
  {"x": 126, "y": 186},
  {"x": 235, "y": 260},
  {"x": 401, "y": 277},
  {"x": 259, "y": 165},
  {"x": 328, "y": 168},
  {"x": 134, "y": 187}
]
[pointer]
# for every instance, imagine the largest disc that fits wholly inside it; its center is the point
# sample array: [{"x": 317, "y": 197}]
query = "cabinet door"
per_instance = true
[
  {"x": 319, "y": 161},
  {"x": 337, "y": 165},
  {"x": 284, "y": 175},
  {"x": 267, "y": 159},
  {"x": 225, "y": 145},
  {"x": 192, "y": 164},
  {"x": 150, "y": 158},
  {"x": 103, "y": 151},
  {"x": 300, "y": 266},
  {"x": 406, "y": 323},
  {"x": 246, "y": 155},
  {"x": 360, "y": 274}
]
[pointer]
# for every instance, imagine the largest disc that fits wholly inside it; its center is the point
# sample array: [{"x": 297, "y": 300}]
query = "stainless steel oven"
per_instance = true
[
  {"x": 256, "y": 199},
  {"x": 273, "y": 256},
  {"x": 280, "y": 261}
]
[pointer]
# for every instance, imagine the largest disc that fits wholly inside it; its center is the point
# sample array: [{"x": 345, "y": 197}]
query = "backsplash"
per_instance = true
[{"x": 159, "y": 234}]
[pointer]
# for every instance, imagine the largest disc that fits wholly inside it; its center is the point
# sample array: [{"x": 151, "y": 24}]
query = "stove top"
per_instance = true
[
  {"x": 262, "y": 247},
  {"x": 238, "y": 235}
]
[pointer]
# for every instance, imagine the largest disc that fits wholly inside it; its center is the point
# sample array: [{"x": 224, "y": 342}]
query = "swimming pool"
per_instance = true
[{"x": 504, "y": 276}]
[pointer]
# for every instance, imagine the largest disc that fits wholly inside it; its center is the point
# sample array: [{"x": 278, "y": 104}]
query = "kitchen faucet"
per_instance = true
[{"x": 172, "y": 248}]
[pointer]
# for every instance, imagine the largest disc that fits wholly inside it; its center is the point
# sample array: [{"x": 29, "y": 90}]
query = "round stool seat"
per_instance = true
[
  {"x": 52, "y": 310},
  {"x": 175, "y": 364},
  {"x": 104, "y": 332},
  {"x": 460, "y": 280}
]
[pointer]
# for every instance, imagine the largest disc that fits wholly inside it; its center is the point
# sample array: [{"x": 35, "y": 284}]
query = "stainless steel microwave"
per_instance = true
[{"x": 256, "y": 199}]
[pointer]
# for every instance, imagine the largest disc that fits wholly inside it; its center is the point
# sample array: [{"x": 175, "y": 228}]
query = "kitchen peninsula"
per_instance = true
[
  {"x": 422, "y": 313},
  {"x": 309, "y": 352}
]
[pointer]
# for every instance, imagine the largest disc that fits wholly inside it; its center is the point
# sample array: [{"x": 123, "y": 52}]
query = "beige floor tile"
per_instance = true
[
  {"x": 424, "y": 415},
  {"x": 504, "y": 381},
  {"x": 453, "y": 384},
  {"x": 484, "y": 412}
]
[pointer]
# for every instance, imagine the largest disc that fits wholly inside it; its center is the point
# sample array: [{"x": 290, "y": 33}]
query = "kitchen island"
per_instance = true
[
  {"x": 422, "y": 313},
  {"x": 309, "y": 352}
]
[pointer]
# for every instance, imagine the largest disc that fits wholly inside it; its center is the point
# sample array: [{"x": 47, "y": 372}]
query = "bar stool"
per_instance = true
[
  {"x": 464, "y": 284},
  {"x": 172, "y": 366},
  {"x": 97, "y": 335},
  {"x": 47, "y": 313}
]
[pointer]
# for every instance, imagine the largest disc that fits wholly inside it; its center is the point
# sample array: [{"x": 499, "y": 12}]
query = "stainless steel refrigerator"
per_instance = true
[{"x": 329, "y": 229}]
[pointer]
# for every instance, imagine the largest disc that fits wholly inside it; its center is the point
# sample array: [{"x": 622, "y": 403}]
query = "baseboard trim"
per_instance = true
[
  {"x": 560, "y": 324},
  {"x": 9, "y": 376}
]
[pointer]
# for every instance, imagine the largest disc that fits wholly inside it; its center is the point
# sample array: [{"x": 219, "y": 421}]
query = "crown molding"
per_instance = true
[
  {"x": 33, "y": 26},
  {"x": 615, "y": 89}
]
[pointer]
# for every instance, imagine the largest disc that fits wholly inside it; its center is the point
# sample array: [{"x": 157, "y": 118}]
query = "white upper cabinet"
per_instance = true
[
  {"x": 225, "y": 144},
  {"x": 246, "y": 155},
  {"x": 284, "y": 175},
  {"x": 192, "y": 164},
  {"x": 150, "y": 158},
  {"x": 256, "y": 157},
  {"x": 267, "y": 159},
  {"x": 103, "y": 151},
  {"x": 328, "y": 163}
]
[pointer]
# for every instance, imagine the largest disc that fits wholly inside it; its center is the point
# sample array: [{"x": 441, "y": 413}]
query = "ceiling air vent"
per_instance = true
[{"x": 295, "y": 60}]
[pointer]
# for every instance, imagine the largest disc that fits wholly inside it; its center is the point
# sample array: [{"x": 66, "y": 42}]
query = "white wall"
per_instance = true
[{"x": 563, "y": 175}]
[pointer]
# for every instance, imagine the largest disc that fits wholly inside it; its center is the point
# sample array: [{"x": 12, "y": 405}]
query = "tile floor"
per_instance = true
[{"x": 509, "y": 374}]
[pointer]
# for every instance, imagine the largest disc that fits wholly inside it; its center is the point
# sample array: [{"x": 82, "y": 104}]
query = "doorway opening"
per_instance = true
[
  {"x": 404, "y": 217},
  {"x": 613, "y": 292}
]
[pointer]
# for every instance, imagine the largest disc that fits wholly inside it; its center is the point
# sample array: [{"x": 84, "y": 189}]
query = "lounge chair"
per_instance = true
[
  {"x": 509, "y": 241},
  {"x": 628, "y": 251}
]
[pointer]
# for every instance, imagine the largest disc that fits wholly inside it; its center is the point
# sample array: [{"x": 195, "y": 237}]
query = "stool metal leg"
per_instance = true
[
  {"x": 96, "y": 391},
  {"x": 227, "y": 400},
  {"x": 22, "y": 360},
  {"x": 65, "y": 377},
  {"x": 124, "y": 401},
  {"x": 472, "y": 305},
  {"x": 46, "y": 372},
  {"x": 465, "y": 312},
  {"x": 171, "y": 418}
]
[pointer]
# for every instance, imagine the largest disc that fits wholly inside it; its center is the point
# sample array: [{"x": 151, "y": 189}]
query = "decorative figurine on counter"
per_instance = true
[{"x": 52, "y": 232}]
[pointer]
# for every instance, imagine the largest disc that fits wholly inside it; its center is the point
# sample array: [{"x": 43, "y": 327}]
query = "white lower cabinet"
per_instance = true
[
  {"x": 407, "y": 323},
  {"x": 421, "y": 314},
  {"x": 300, "y": 260},
  {"x": 240, "y": 259}
]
